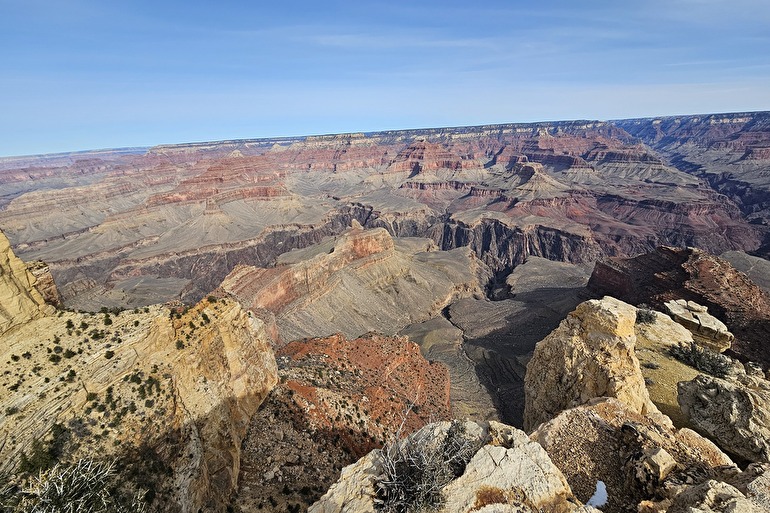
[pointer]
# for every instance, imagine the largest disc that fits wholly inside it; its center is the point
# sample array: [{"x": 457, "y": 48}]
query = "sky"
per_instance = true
[{"x": 91, "y": 74}]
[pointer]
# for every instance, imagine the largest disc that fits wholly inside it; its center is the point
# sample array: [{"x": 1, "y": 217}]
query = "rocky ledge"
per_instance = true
[{"x": 690, "y": 274}]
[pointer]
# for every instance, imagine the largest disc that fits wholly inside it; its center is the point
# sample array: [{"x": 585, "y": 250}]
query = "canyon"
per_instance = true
[
  {"x": 275, "y": 309},
  {"x": 170, "y": 222}
]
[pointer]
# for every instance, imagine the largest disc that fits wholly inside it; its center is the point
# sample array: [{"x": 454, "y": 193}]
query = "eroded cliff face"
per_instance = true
[
  {"x": 132, "y": 229},
  {"x": 20, "y": 301},
  {"x": 359, "y": 282},
  {"x": 168, "y": 394}
]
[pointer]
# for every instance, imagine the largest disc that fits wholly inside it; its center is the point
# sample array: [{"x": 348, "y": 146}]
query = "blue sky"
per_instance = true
[{"x": 88, "y": 74}]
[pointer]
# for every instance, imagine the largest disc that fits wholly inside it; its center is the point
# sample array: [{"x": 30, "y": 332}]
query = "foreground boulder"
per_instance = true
[
  {"x": 501, "y": 470},
  {"x": 590, "y": 354},
  {"x": 633, "y": 455},
  {"x": 670, "y": 273},
  {"x": 735, "y": 412}
]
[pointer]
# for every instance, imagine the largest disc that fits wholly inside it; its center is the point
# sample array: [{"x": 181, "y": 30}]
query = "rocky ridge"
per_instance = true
[
  {"x": 169, "y": 394},
  {"x": 336, "y": 400}
]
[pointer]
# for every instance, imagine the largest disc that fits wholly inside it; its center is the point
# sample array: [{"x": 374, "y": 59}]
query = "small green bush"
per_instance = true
[
  {"x": 645, "y": 316},
  {"x": 703, "y": 359}
]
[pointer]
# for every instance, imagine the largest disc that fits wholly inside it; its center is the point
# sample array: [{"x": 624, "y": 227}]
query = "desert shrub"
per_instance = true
[
  {"x": 44, "y": 455},
  {"x": 86, "y": 486},
  {"x": 645, "y": 315},
  {"x": 703, "y": 359},
  {"x": 417, "y": 468}
]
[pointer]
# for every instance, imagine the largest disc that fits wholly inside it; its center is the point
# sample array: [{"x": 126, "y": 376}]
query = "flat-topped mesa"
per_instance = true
[
  {"x": 20, "y": 301},
  {"x": 736, "y": 130}
]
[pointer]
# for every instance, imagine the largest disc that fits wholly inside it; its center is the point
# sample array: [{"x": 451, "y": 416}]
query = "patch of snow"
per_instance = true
[{"x": 599, "y": 497}]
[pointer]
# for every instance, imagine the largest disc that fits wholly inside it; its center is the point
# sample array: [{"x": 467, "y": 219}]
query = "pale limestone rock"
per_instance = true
[
  {"x": 712, "y": 497},
  {"x": 354, "y": 490},
  {"x": 208, "y": 388},
  {"x": 734, "y": 412},
  {"x": 654, "y": 341},
  {"x": 657, "y": 463},
  {"x": 20, "y": 301},
  {"x": 662, "y": 333},
  {"x": 758, "y": 490},
  {"x": 521, "y": 475},
  {"x": 510, "y": 474},
  {"x": 707, "y": 330},
  {"x": 632, "y": 454},
  {"x": 590, "y": 354}
]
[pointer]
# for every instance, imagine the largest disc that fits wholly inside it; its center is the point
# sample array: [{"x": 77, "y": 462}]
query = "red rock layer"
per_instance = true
[{"x": 388, "y": 380}]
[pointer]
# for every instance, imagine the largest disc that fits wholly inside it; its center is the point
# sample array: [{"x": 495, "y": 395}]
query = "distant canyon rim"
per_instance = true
[{"x": 136, "y": 227}]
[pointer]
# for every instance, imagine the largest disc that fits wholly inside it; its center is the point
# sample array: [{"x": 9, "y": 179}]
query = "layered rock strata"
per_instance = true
[
  {"x": 167, "y": 393},
  {"x": 359, "y": 282},
  {"x": 572, "y": 191}
]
